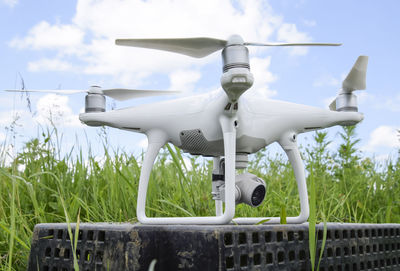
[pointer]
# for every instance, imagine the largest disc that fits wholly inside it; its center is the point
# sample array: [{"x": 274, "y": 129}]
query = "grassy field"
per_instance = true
[{"x": 40, "y": 186}]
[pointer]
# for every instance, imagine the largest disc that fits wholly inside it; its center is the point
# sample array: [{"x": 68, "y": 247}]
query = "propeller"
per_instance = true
[
  {"x": 332, "y": 105},
  {"x": 355, "y": 80},
  {"x": 120, "y": 94},
  {"x": 202, "y": 46},
  {"x": 194, "y": 47}
]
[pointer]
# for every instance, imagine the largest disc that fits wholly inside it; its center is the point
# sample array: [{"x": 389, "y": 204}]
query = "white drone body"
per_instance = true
[{"x": 226, "y": 126}]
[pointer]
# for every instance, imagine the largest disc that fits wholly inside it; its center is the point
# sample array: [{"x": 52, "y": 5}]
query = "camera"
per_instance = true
[{"x": 250, "y": 189}]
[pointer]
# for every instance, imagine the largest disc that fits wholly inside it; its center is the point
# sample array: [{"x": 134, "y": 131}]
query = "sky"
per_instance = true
[{"x": 70, "y": 45}]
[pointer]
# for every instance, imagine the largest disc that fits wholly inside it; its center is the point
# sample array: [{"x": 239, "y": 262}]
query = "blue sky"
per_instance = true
[{"x": 70, "y": 45}]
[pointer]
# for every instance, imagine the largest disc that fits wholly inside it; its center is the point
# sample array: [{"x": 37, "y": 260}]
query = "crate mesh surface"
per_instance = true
[
  {"x": 103, "y": 246},
  {"x": 348, "y": 247},
  {"x": 56, "y": 251}
]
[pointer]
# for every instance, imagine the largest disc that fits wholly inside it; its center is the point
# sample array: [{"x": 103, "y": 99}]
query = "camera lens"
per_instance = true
[{"x": 258, "y": 195}]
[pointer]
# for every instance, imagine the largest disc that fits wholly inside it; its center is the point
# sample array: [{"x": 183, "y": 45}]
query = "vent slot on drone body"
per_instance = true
[{"x": 194, "y": 141}]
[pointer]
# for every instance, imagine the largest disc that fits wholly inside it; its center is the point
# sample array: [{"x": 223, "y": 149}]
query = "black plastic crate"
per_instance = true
[{"x": 103, "y": 246}]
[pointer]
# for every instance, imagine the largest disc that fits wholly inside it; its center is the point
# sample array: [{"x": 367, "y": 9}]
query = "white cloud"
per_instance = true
[
  {"x": 184, "y": 80},
  {"x": 7, "y": 118},
  {"x": 7, "y": 154},
  {"x": 262, "y": 78},
  {"x": 161, "y": 19},
  {"x": 54, "y": 109},
  {"x": 2, "y": 137},
  {"x": 289, "y": 33},
  {"x": 46, "y": 36},
  {"x": 173, "y": 18},
  {"x": 383, "y": 136},
  {"x": 382, "y": 158},
  {"x": 49, "y": 65},
  {"x": 89, "y": 38},
  {"x": 188, "y": 162},
  {"x": 10, "y": 3}
]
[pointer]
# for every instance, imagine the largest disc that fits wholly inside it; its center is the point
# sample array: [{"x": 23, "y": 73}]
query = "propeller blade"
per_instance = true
[
  {"x": 57, "y": 91},
  {"x": 122, "y": 94},
  {"x": 194, "y": 47},
  {"x": 291, "y": 44},
  {"x": 332, "y": 106},
  {"x": 356, "y": 79}
]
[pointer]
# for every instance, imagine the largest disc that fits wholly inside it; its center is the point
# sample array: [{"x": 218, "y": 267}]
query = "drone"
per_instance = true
[{"x": 223, "y": 125}]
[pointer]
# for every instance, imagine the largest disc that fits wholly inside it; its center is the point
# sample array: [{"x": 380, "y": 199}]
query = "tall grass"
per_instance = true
[{"x": 42, "y": 185}]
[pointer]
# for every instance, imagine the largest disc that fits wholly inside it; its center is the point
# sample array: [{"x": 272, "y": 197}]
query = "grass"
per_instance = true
[{"x": 41, "y": 185}]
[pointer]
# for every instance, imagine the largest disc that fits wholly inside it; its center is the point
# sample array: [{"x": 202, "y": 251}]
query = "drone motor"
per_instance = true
[
  {"x": 95, "y": 101},
  {"x": 236, "y": 77},
  {"x": 346, "y": 102}
]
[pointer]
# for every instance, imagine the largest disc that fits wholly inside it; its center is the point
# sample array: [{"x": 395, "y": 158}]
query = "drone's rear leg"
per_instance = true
[
  {"x": 156, "y": 140},
  {"x": 289, "y": 144}
]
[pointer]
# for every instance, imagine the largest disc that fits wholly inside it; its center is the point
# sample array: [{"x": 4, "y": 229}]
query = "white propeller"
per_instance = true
[
  {"x": 200, "y": 47},
  {"x": 56, "y": 91},
  {"x": 194, "y": 47},
  {"x": 356, "y": 79},
  {"x": 120, "y": 94},
  {"x": 332, "y": 105}
]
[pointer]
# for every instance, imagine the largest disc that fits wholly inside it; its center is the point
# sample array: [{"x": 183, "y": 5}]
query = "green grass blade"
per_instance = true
[
  {"x": 183, "y": 176},
  {"x": 323, "y": 243},
  {"x": 312, "y": 220},
  {"x": 76, "y": 241},
  {"x": 283, "y": 215},
  {"x": 176, "y": 206},
  {"x": 22, "y": 243},
  {"x": 13, "y": 229},
  {"x": 262, "y": 221},
  {"x": 71, "y": 236}
]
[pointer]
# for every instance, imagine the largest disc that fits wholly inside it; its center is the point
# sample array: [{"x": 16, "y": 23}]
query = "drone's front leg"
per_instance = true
[
  {"x": 228, "y": 126},
  {"x": 156, "y": 140}
]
